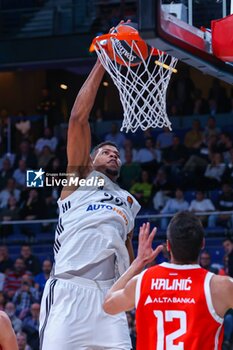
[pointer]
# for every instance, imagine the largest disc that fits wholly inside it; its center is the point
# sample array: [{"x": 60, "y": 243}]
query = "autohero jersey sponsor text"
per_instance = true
[{"x": 112, "y": 203}]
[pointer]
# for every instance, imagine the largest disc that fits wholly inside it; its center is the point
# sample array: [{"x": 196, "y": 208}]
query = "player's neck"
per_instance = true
[
  {"x": 113, "y": 176},
  {"x": 177, "y": 262}
]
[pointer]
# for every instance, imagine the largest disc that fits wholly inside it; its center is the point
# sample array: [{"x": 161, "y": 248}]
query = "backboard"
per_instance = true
[{"x": 175, "y": 27}]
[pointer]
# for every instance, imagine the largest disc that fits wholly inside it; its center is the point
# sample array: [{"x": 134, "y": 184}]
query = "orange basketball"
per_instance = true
[{"x": 127, "y": 51}]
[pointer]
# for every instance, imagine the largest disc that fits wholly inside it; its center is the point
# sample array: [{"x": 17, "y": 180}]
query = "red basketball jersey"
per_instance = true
[{"x": 174, "y": 310}]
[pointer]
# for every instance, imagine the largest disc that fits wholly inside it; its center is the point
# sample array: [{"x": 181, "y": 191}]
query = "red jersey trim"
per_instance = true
[
  {"x": 180, "y": 267},
  {"x": 138, "y": 287}
]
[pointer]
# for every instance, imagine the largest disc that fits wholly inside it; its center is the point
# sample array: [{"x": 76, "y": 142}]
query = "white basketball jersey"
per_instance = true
[{"x": 93, "y": 224}]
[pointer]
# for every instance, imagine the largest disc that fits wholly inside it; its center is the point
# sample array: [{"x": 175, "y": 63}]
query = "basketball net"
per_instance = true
[{"x": 142, "y": 88}]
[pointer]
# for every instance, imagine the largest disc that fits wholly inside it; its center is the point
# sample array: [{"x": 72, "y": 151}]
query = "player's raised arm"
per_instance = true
[
  {"x": 121, "y": 296},
  {"x": 79, "y": 135}
]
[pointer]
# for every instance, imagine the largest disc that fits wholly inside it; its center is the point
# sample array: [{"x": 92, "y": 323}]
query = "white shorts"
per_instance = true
[{"x": 72, "y": 317}]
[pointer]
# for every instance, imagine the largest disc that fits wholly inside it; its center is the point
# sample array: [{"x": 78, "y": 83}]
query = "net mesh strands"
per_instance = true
[{"x": 142, "y": 88}]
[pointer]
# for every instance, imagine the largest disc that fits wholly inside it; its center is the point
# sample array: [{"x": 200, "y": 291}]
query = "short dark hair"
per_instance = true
[
  {"x": 185, "y": 234},
  {"x": 105, "y": 143}
]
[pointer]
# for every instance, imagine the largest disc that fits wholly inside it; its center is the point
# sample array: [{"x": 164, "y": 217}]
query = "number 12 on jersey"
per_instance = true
[{"x": 168, "y": 316}]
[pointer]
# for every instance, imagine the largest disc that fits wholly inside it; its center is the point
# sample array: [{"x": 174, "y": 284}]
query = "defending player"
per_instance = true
[
  {"x": 179, "y": 305},
  {"x": 7, "y": 335},
  {"x": 92, "y": 242}
]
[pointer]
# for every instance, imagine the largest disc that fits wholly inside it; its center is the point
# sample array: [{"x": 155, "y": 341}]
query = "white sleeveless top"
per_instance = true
[{"x": 93, "y": 224}]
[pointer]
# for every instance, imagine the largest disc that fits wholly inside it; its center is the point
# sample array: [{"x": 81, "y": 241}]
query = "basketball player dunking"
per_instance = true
[
  {"x": 92, "y": 244},
  {"x": 7, "y": 336},
  {"x": 179, "y": 305}
]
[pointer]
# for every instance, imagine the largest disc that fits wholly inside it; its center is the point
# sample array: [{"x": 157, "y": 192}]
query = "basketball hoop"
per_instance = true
[{"x": 142, "y": 87}]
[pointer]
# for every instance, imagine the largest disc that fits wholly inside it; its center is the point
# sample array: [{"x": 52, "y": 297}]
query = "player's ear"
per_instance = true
[{"x": 168, "y": 245}]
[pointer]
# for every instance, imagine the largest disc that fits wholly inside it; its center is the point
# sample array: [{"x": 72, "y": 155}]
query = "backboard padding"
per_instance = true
[{"x": 189, "y": 44}]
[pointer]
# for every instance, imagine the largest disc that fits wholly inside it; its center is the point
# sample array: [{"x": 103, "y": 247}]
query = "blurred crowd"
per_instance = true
[
  {"x": 167, "y": 173},
  {"x": 22, "y": 281}
]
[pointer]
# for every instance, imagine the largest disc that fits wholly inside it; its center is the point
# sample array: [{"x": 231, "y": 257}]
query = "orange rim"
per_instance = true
[{"x": 120, "y": 36}]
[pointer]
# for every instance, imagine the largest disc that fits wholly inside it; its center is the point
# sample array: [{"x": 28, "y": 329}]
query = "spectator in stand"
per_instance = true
[
  {"x": 25, "y": 296},
  {"x": 33, "y": 207},
  {"x": 10, "y": 213},
  {"x": 211, "y": 129},
  {"x": 174, "y": 158},
  {"x": 98, "y": 115},
  {"x": 52, "y": 194},
  {"x": 228, "y": 248},
  {"x": 200, "y": 103},
  {"x": 132, "y": 328},
  {"x": 9, "y": 191},
  {"x": 149, "y": 157},
  {"x": 162, "y": 189},
  {"x": 15, "y": 321},
  {"x": 42, "y": 277},
  {"x": 7, "y": 335},
  {"x": 2, "y": 281},
  {"x": 61, "y": 147},
  {"x": 128, "y": 147},
  {"x": 3, "y": 300},
  {"x": 14, "y": 278},
  {"x": 228, "y": 175},
  {"x": 218, "y": 94},
  {"x": 32, "y": 263},
  {"x": 31, "y": 326},
  {"x": 142, "y": 190},
  {"x": 130, "y": 171},
  {"x": 116, "y": 136},
  {"x": 45, "y": 157},
  {"x": 164, "y": 139},
  {"x": 4, "y": 118},
  {"x": 6, "y": 263},
  {"x": 20, "y": 174},
  {"x": 55, "y": 166},
  {"x": 22, "y": 341},
  {"x": 25, "y": 153},
  {"x": 194, "y": 137},
  {"x": 224, "y": 203},
  {"x": 228, "y": 330},
  {"x": 182, "y": 89},
  {"x": 195, "y": 166},
  {"x": 5, "y": 172},
  {"x": 23, "y": 127},
  {"x": 48, "y": 140},
  {"x": 205, "y": 262},
  {"x": 224, "y": 143},
  {"x": 201, "y": 204},
  {"x": 214, "y": 172},
  {"x": 173, "y": 206},
  {"x": 48, "y": 107}
]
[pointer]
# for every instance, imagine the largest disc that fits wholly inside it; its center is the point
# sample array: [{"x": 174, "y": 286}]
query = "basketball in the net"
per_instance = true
[{"x": 127, "y": 51}]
